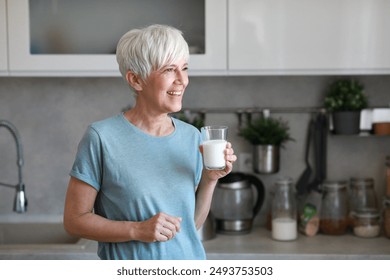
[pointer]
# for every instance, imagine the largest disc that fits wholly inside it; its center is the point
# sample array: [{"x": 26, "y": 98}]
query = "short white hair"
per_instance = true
[{"x": 151, "y": 48}]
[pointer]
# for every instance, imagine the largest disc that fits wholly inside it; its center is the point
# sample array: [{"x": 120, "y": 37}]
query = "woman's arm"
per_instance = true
[{"x": 80, "y": 220}]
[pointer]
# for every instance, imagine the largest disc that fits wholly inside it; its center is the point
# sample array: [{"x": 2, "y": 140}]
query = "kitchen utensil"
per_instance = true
[
  {"x": 324, "y": 145},
  {"x": 309, "y": 218},
  {"x": 320, "y": 150},
  {"x": 233, "y": 205},
  {"x": 303, "y": 181}
]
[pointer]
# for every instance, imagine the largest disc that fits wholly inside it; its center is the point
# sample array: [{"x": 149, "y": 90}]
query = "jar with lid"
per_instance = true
[
  {"x": 284, "y": 211},
  {"x": 388, "y": 176},
  {"x": 362, "y": 195},
  {"x": 334, "y": 211},
  {"x": 366, "y": 224},
  {"x": 386, "y": 217}
]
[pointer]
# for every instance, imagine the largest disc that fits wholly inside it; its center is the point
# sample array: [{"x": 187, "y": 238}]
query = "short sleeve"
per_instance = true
[{"x": 87, "y": 166}]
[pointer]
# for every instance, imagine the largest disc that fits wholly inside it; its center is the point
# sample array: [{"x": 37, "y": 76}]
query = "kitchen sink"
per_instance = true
[
  {"x": 21, "y": 239},
  {"x": 36, "y": 234}
]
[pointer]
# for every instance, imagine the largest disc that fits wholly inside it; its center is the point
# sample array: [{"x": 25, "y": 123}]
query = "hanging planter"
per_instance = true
[
  {"x": 267, "y": 135},
  {"x": 266, "y": 159},
  {"x": 344, "y": 100}
]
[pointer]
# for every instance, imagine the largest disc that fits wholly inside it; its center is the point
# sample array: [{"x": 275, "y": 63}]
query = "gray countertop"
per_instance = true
[
  {"x": 255, "y": 245},
  {"x": 259, "y": 245}
]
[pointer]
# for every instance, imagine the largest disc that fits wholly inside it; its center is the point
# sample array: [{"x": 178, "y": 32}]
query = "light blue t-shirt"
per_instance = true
[{"x": 137, "y": 176}]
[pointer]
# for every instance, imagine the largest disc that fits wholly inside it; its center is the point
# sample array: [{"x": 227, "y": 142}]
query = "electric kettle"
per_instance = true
[{"x": 235, "y": 204}]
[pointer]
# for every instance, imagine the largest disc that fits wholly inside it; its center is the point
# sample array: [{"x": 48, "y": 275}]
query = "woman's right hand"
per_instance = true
[{"x": 161, "y": 227}]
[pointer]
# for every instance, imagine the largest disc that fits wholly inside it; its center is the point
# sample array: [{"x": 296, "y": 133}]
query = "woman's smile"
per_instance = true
[{"x": 175, "y": 93}]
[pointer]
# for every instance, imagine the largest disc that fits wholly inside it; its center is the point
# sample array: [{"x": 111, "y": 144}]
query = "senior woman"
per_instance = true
[{"x": 137, "y": 185}]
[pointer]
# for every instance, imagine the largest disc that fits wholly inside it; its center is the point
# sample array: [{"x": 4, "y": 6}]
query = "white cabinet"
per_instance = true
[
  {"x": 3, "y": 40},
  {"x": 309, "y": 37},
  {"x": 227, "y": 37},
  {"x": 78, "y": 38}
]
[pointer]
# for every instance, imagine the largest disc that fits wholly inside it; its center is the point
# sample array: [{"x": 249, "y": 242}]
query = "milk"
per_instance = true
[
  {"x": 213, "y": 154},
  {"x": 284, "y": 229}
]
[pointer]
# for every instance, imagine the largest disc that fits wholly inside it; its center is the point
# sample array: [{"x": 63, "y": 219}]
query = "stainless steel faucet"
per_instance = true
[{"x": 20, "y": 202}]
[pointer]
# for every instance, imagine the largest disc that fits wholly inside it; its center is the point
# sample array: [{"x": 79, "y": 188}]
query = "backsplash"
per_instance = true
[{"x": 51, "y": 115}]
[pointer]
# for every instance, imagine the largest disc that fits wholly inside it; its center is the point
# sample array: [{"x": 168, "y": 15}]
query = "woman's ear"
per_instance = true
[{"x": 134, "y": 80}]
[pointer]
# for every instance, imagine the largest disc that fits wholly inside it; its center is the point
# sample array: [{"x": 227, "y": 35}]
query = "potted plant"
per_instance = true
[
  {"x": 345, "y": 99},
  {"x": 188, "y": 117},
  {"x": 267, "y": 135}
]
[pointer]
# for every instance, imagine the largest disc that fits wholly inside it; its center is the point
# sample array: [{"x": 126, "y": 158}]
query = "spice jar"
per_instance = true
[
  {"x": 386, "y": 217},
  {"x": 388, "y": 176},
  {"x": 334, "y": 210},
  {"x": 284, "y": 211},
  {"x": 362, "y": 196},
  {"x": 366, "y": 224}
]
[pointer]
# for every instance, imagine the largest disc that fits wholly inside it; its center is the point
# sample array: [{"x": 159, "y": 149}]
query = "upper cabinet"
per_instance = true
[
  {"x": 309, "y": 37},
  {"x": 78, "y": 38},
  {"x": 3, "y": 40},
  {"x": 226, "y": 37}
]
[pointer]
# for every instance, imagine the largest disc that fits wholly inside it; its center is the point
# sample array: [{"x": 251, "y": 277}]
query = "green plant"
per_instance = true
[
  {"x": 198, "y": 122},
  {"x": 266, "y": 131},
  {"x": 345, "y": 95}
]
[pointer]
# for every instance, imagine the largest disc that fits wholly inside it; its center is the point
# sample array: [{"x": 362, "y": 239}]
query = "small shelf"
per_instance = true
[{"x": 361, "y": 134}]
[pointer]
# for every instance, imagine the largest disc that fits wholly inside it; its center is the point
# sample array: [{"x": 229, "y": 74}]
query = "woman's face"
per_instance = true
[{"x": 163, "y": 90}]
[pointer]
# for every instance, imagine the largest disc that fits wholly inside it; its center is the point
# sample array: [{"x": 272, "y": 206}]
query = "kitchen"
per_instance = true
[{"x": 52, "y": 109}]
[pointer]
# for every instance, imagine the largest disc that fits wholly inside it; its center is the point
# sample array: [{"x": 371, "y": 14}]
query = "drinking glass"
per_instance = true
[{"x": 214, "y": 139}]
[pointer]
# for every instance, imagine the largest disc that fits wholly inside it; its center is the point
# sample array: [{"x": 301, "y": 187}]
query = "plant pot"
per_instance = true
[
  {"x": 346, "y": 122},
  {"x": 266, "y": 159}
]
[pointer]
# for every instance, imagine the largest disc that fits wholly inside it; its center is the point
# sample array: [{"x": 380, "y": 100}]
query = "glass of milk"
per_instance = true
[{"x": 214, "y": 139}]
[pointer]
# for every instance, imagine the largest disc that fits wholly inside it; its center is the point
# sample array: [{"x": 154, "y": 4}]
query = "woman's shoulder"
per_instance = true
[
  {"x": 181, "y": 125},
  {"x": 107, "y": 124}
]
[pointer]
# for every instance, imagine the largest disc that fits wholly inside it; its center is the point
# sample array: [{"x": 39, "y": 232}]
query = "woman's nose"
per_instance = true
[{"x": 181, "y": 77}]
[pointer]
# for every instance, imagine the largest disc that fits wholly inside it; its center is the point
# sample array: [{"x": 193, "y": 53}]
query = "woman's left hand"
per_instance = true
[{"x": 230, "y": 158}]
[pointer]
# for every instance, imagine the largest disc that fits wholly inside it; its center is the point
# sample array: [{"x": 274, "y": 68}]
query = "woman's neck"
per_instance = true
[{"x": 156, "y": 125}]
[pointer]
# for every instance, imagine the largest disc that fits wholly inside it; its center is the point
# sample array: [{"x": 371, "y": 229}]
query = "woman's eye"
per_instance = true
[{"x": 169, "y": 70}]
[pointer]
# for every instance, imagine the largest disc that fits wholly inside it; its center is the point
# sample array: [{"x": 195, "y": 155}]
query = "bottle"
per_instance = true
[
  {"x": 334, "y": 211},
  {"x": 284, "y": 211}
]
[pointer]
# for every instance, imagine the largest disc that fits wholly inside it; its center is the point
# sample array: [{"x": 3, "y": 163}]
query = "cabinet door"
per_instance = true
[
  {"x": 309, "y": 37},
  {"x": 214, "y": 59},
  {"x": 3, "y": 40},
  {"x": 78, "y": 38}
]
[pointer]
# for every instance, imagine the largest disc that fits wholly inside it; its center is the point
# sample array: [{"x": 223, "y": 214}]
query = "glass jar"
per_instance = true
[
  {"x": 386, "y": 217},
  {"x": 362, "y": 195},
  {"x": 284, "y": 211},
  {"x": 366, "y": 224},
  {"x": 334, "y": 211}
]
